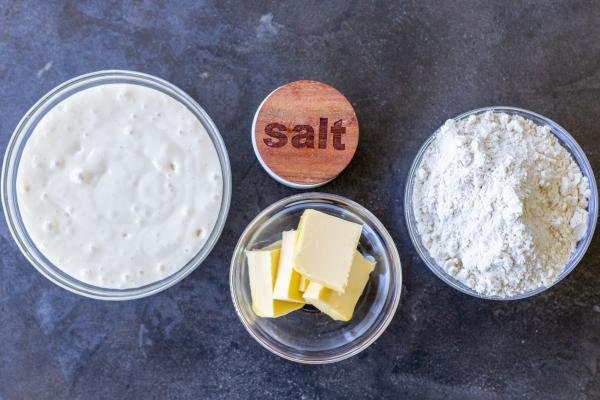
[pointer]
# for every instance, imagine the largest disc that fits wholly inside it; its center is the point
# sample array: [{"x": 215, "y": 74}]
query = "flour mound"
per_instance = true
[{"x": 500, "y": 204}]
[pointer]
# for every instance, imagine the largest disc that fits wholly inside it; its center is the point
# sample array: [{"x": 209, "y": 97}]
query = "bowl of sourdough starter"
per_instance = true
[
  {"x": 116, "y": 185},
  {"x": 501, "y": 203}
]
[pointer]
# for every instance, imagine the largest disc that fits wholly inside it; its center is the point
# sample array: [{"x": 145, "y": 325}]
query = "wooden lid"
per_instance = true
[{"x": 305, "y": 133}]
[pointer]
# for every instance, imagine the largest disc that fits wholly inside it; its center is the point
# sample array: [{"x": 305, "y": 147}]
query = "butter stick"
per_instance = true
[
  {"x": 288, "y": 280},
  {"x": 340, "y": 306},
  {"x": 262, "y": 271},
  {"x": 324, "y": 249}
]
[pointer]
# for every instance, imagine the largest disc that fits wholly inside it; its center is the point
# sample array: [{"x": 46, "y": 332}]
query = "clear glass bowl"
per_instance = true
[
  {"x": 13, "y": 155},
  {"x": 307, "y": 335},
  {"x": 568, "y": 143}
]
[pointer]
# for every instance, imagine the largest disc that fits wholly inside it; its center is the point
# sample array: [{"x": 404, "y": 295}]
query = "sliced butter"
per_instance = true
[
  {"x": 288, "y": 280},
  {"x": 303, "y": 283},
  {"x": 325, "y": 248},
  {"x": 341, "y": 306},
  {"x": 262, "y": 271}
]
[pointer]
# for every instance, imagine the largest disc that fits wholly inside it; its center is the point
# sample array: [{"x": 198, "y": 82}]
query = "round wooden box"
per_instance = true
[{"x": 305, "y": 133}]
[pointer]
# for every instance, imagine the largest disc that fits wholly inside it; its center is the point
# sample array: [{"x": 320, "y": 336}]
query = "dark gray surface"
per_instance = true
[{"x": 406, "y": 67}]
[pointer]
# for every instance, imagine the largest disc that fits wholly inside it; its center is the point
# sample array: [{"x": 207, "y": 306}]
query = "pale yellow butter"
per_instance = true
[
  {"x": 262, "y": 271},
  {"x": 324, "y": 249},
  {"x": 341, "y": 306},
  {"x": 303, "y": 283},
  {"x": 288, "y": 280}
]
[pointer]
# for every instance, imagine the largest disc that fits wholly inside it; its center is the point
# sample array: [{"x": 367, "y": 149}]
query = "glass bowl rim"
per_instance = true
[
  {"x": 18, "y": 140},
  {"x": 395, "y": 267},
  {"x": 582, "y": 161}
]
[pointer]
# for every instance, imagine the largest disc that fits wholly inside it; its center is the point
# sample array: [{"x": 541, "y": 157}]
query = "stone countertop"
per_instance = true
[{"x": 406, "y": 67}]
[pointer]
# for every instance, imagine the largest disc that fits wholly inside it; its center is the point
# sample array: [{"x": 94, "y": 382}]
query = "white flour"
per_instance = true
[{"x": 499, "y": 203}]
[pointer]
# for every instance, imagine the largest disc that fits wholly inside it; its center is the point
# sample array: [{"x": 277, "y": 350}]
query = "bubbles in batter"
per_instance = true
[{"x": 113, "y": 180}]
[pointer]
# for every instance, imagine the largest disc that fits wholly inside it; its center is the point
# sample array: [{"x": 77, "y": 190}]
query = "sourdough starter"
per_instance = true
[{"x": 119, "y": 185}]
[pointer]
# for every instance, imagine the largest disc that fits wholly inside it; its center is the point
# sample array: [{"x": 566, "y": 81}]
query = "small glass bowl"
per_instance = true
[
  {"x": 13, "y": 155},
  {"x": 567, "y": 142},
  {"x": 307, "y": 335}
]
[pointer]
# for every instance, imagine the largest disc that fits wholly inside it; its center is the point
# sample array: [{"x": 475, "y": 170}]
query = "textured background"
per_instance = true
[{"x": 406, "y": 67}]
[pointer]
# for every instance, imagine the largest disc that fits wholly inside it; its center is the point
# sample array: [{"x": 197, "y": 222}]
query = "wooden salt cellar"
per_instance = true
[{"x": 305, "y": 133}]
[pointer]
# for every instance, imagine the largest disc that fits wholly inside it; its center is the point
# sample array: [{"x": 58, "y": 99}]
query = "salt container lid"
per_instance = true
[{"x": 305, "y": 133}]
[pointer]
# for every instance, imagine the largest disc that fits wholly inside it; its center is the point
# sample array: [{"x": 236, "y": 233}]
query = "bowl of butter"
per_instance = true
[{"x": 315, "y": 278}]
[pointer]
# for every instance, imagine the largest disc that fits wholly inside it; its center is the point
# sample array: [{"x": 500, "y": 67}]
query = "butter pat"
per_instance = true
[
  {"x": 303, "y": 284},
  {"x": 324, "y": 249},
  {"x": 262, "y": 270},
  {"x": 341, "y": 306},
  {"x": 287, "y": 283}
]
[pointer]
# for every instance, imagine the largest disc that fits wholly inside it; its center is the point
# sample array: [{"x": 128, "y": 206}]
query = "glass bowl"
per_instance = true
[
  {"x": 13, "y": 156},
  {"x": 307, "y": 335},
  {"x": 567, "y": 142}
]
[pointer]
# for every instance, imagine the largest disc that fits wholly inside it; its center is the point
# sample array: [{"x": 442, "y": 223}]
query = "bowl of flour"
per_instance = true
[{"x": 501, "y": 203}]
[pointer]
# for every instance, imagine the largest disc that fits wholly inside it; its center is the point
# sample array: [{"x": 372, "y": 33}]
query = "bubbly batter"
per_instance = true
[{"x": 119, "y": 185}]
